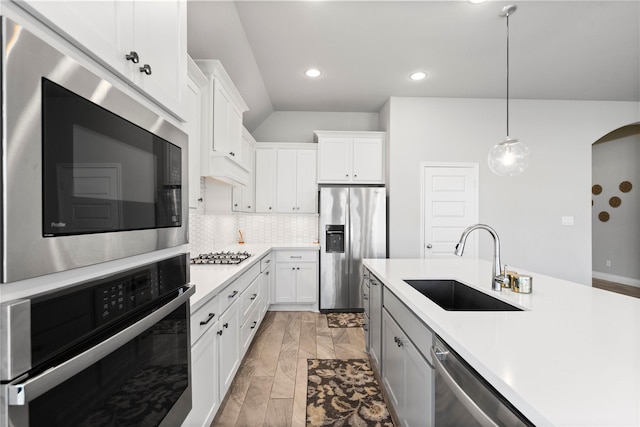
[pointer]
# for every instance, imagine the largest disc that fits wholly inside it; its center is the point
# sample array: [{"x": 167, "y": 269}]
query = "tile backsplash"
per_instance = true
[{"x": 212, "y": 232}]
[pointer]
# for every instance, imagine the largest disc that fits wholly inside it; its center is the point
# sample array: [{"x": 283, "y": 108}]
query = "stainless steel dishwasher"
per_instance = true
[{"x": 464, "y": 398}]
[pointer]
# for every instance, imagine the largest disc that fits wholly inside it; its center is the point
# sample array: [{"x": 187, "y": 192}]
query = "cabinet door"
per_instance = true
[
  {"x": 286, "y": 200},
  {"x": 417, "y": 407},
  {"x": 307, "y": 286},
  {"x": 229, "y": 350},
  {"x": 265, "y": 289},
  {"x": 195, "y": 85},
  {"x": 375, "y": 320},
  {"x": 235, "y": 133},
  {"x": 221, "y": 112},
  {"x": 265, "y": 180},
  {"x": 334, "y": 160},
  {"x": 204, "y": 368},
  {"x": 285, "y": 286},
  {"x": 160, "y": 38},
  {"x": 99, "y": 28},
  {"x": 393, "y": 362},
  {"x": 306, "y": 180},
  {"x": 367, "y": 160}
]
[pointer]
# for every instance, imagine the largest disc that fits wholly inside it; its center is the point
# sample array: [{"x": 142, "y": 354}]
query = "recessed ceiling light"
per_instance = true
[
  {"x": 313, "y": 73},
  {"x": 419, "y": 75}
]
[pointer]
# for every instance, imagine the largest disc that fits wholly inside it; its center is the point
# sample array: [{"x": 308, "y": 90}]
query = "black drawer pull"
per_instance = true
[
  {"x": 226, "y": 325},
  {"x": 254, "y": 325},
  {"x": 254, "y": 297},
  {"x": 211, "y": 316},
  {"x": 219, "y": 332},
  {"x": 233, "y": 294}
]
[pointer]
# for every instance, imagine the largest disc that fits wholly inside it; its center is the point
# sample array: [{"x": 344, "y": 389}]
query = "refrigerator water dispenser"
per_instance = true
[{"x": 335, "y": 238}]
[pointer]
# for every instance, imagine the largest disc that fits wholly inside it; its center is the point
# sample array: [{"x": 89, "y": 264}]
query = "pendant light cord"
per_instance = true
[{"x": 507, "y": 75}]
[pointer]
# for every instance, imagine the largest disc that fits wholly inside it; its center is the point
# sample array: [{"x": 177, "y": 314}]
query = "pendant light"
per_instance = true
[{"x": 509, "y": 157}]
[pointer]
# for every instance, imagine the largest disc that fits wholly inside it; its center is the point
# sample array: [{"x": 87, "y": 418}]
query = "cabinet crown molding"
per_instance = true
[
  {"x": 345, "y": 134},
  {"x": 214, "y": 69}
]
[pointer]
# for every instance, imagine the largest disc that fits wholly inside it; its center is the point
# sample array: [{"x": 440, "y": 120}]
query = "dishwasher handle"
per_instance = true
[{"x": 438, "y": 356}]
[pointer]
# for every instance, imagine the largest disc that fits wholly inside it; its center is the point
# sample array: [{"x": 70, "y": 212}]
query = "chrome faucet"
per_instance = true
[{"x": 497, "y": 277}]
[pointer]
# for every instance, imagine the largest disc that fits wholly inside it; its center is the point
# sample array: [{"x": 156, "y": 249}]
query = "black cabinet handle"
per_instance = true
[
  {"x": 219, "y": 332},
  {"x": 233, "y": 294},
  {"x": 211, "y": 316},
  {"x": 254, "y": 325},
  {"x": 133, "y": 57},
  {"x": 226, "y": 325},
  {"x": 253, "y": 296},
  {"x": 146, "y": 68}
]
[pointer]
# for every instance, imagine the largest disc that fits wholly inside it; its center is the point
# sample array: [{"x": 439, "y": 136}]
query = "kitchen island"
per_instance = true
[{"x": 570, "y": 358}]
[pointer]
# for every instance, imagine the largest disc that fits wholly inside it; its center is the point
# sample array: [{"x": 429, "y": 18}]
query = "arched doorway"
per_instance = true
[{"x": 616, "y": 210}]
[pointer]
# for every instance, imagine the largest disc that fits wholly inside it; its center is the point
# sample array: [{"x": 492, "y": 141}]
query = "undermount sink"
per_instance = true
[{"x": 452, "y": 295}]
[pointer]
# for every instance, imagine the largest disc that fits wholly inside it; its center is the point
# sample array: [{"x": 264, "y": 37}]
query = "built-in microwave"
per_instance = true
[{"x": 89, "y": 174}]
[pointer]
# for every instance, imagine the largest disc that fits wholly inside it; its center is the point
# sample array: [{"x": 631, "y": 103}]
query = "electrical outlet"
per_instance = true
[{"x": 607, "y": 263}]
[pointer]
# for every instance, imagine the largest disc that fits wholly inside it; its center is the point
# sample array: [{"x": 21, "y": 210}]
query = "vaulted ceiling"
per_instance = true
[{"x": 576, "y": 50}]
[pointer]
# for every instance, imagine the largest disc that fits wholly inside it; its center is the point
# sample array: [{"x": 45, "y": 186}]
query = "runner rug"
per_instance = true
[
  {"x": 344, "y": 392},
  {"x": 345, "y": 320}
]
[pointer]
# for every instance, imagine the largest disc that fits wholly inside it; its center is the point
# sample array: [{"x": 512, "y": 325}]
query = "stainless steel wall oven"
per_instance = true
[
  {"x": 110, "y": 351},
  {"x": 89, "y": 174}
]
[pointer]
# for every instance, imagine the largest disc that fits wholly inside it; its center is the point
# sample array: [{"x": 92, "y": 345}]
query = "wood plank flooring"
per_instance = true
[
  {"x": 270, "y": 388},
  {"x": 616, "y": 287}
]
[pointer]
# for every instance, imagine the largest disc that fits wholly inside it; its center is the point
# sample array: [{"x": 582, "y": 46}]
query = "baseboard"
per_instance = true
[{"x": 617, "y": 279}]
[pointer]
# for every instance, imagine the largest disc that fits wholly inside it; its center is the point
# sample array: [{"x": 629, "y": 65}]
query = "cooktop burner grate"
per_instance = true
[{"x": 221, "y": 258}]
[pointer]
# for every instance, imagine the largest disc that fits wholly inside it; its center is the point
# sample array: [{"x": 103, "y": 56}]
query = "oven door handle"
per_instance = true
[
  {"x": 476, "y": 412},
  {"x": 21, "y": 393}
]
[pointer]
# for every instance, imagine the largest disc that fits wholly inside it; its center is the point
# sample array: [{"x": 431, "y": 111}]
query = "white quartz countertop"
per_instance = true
[
  {"x": 210, "y": 279},
  {"x": 572, "y": 358}
]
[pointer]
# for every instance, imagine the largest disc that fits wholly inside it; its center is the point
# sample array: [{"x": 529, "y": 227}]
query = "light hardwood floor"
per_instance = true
[
  {"x": 616, "y": 287},
  {"x": 270, "y": 388}
]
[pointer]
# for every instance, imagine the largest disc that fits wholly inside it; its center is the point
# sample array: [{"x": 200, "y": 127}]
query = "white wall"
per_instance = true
[
  {"x": 298, "y": 126},
  {"x": 525, "y": 210},
  {"x": 618, "y": 239}
]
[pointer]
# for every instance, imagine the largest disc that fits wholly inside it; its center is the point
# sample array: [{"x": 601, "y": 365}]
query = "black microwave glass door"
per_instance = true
[
  {"x": 136, "y": 385},
  {"x": 102, "y": 173}
]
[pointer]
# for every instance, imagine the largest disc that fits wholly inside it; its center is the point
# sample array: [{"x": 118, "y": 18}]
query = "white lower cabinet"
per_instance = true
[
  {"x": 205, "y": 392},
  {"x": 375, "y": 320},
  {"x": 221, "y": 332},
  {"x": 229, "y": 339},
  {"x": 406, "y": 376},
  {"x": 296, "y": 277}
]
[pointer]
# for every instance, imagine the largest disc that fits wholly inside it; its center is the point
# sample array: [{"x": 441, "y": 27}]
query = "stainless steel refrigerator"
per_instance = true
[{"x": 353, "y": 226}]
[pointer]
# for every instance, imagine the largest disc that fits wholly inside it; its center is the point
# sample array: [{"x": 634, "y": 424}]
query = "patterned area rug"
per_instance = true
[
  {"x": 344, "y": 392},
  {"x": 345, "y": 320}
]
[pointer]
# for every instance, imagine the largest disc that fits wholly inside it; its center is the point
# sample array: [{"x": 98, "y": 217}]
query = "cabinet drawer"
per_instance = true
[
  {"x": 296, "y": 256},
  {"x": 250, "y": 327},
  {"x": 203, "y": 318},
  {"x": 418, "y": 332},
  {"x": 249, "y": 299},
  {"x": 265, "y": 263},
  {"x": 230, "y": 294}
]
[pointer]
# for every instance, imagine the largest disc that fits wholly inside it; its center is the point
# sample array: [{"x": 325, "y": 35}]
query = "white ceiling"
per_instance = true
[{"x": 578, "y": 50}]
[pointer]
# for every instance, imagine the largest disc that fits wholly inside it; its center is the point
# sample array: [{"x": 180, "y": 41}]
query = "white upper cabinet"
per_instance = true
[
  {"x": 143, "y": 42},
  {"x": 265, "y": 182},
  {"x": 296, "y": 189},
  {"x": 222, "y": 147},
  {"x": 350, "y": 157},
  {"x": 243, "y": 196},
  {"x": 196, "y": 84}
]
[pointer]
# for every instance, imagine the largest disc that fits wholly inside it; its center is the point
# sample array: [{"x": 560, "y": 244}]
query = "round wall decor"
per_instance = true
[
  {"x": 597, "y": 189},
  {"x": 615, "y": 201},
  {"x": 603, "y": 216},
  {"x": 625, "y": 186}
]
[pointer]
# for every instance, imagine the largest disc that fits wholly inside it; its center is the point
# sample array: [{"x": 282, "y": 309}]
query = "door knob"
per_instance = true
[{"x": 429, "y": 246}]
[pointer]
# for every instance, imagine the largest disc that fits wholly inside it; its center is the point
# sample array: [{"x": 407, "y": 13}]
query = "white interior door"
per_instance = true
[{"x": 450, "y": 204}]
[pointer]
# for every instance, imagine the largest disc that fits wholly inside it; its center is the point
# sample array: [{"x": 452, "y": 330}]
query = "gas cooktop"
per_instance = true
[{"x": 221, "y": 258}]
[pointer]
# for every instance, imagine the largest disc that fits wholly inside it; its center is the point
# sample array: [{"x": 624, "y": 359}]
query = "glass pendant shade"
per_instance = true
[{"x": 509, "y": 157}]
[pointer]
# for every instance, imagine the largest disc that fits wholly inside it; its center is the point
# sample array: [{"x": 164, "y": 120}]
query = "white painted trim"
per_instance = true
[
  {"x": 617, "y": 279},
  {"x": 423, "y": 167}
]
